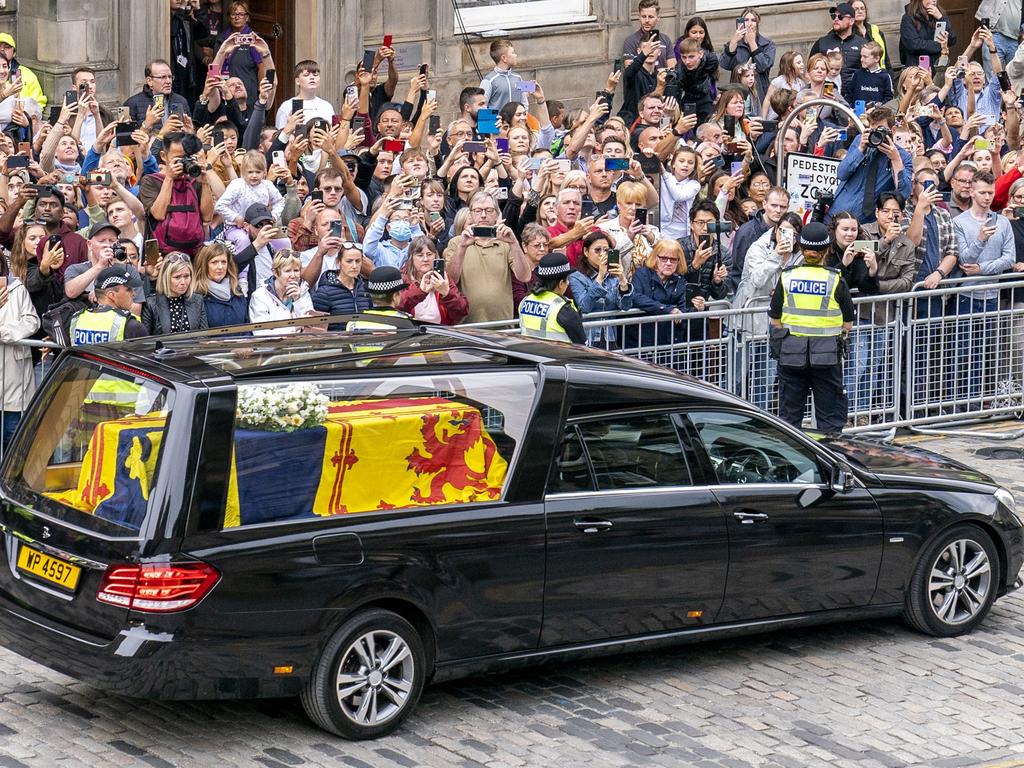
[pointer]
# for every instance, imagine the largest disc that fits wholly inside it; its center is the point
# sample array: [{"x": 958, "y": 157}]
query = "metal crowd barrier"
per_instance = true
[{"x": 920, "y": 359}]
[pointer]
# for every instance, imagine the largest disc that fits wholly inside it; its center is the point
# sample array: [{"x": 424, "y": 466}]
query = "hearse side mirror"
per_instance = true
[{"x": 842, "y": 479}]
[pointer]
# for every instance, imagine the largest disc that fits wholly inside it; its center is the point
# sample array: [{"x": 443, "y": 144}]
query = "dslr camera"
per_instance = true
[
  {"x": 191, "y": 167},
  {"x": 877, "y": 137},
  {"x": 719, "y": 227},
  {"x": 821, "y": 206},
  {"x": 120, "y": 254}
]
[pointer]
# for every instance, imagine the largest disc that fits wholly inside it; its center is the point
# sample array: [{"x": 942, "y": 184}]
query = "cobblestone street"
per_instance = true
[{"x": 864, "y": 694}]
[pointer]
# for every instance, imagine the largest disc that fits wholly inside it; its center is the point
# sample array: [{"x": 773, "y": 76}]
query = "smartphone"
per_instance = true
[
  {"x": 587, "y": 207},
  {"x": 424, "y": 69},
  {"x": 487, "y": 116},
  {"x": 690, "y": 108},
  {"x": 387, "y": 41},
  {"x": 527, "y": 86},
  {"x": 439, "y": 265},
  {"x": 218, "y": 137},
  {"x": 435, "y": 215},
  {"x": 859, "y": 107},
  {"x": 158, "y": 101},
  {"x": 335, "y": 228},
  {"x": 534, "y": 163},
  {"x": 175, "y": 109},
  {"x": 735, "y": 168},
  {"x": 317, "y": 195},
  {"x": 564, "y": 164},
  {"x": 270, "y": 75},
  {"x": 617, "y": 68},
  {"x": 54, "y": 115},
  {"x": 940, "y": 27},
  {"x": 613, "y": 257},
  {"x": 828, "y": 89},
  {"x": 278, "y": 159},
  {"x": 394, "y": 145},
  {"x": 865, "y": 245},
  {"x": 434, "y": 124},
  {"x": 17, "y": 161},
  {"x": 1018, "y": 213},
  {"x": 70, "y": 97},
  {"x": 982, "y": 144},
  {"x": 732, "y": 148},
  {"x": 986, "y": 23},
  {"x": 924, "y": 62},
  {"x": 54, "y": 241},
  {"x": 654, "y": 34},
  {"x": 151, "y": 252},
  {"x": 24, "y": 148},
  {"x": 502, "y": 144},
  {"x": 368, "y": 57},
  {"x": 786, "y": 238},
  {"x": 929, "y": 184},
  {"x": 616, "y": 163},
  {"x": 474, "y": 147},
  {"x": 1004, "y": 82},
  {"x": 501, "y": 193},
  {"x": 641, "y": 215},
  {"x": 485, "y": 231},
  {"x": 125, "y": 139},
  {"x": 100, "y": 178},
  {"x": 351, "y": 92},
  {"x": 297, "y": 105},
  {"x": 843, "y": 136},
  {"x": 705, "y": 241},
  {"x": 213, "y": 70},
  {"x": 740, "y": 22},
  {"x": 431, "y": 95}
]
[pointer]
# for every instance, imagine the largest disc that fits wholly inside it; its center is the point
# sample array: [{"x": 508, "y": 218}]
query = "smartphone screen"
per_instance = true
[
  {"x": 336, "y": 228},
  {"x": 616, "y": 164},
  {"x": 394, "y": 145},
  {"x": 485, "y": 231},
  {"x": 270, "y": 75},
  {"x": 474, "y": 147},
  {"x": 613, "y": 256},
  {"x": 296, "y": 105},
  {"x": 435, "y": 124}
]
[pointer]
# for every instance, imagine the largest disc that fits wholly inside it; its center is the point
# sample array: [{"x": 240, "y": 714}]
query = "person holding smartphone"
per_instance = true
[
  {"x": 283, "y": 295},
  {"x": 978, "y": 93},
  {"x": 18, "y": 320},
  {"x": 600, "y": 284},
  {"x": 986, "y": 246},
  {"x": 748, "y": 45},
  {"x": 159, "y": 79},
  {"x": 431, "y": 295},
  {"x": 393, "y": 228},
  {"x": 918, "y": 33}
]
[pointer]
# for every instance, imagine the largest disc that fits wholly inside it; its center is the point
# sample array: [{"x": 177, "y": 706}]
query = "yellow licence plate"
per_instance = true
[{"x": 52, "y": 569}]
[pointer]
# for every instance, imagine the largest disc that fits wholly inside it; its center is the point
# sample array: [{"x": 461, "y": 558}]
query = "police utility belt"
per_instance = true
[{"x": 811, "y": 317}]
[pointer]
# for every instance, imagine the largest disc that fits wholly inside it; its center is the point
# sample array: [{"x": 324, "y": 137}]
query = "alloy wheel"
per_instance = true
[
  {"x": 959, "y": 582},
  {"x": 375, "y": 677}
]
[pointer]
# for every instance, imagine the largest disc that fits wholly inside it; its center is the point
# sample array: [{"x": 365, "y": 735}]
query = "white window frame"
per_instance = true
[
  {"x": 522, "y": 15},
  {"x": 724, "y": 5}
]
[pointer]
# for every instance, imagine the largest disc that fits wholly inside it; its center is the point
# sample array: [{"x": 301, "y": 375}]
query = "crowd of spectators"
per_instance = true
[{"x": 660, "y": 190}]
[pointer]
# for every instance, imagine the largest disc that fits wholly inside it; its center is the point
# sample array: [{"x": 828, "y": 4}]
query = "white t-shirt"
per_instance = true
[
  {"x": 315, "y": 107},
  {"x": 329, "y": 262}
]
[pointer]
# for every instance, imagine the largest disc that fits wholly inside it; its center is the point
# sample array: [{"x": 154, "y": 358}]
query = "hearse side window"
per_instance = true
[
  {"x": 639, "y": 451},
  {"x": 309, "y": 450},
  {"x": 745, "y": 449},
  {"x": 92, "y": 444}
]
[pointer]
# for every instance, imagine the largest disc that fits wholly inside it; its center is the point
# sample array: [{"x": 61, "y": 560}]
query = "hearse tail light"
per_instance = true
[{"x": 157, "y": 588}]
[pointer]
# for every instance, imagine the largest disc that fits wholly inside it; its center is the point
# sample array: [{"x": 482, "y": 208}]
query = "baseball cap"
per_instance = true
[
  {"x": 257, "y": 214},
  {"x": 99, "y": 226},
  {"x": 6, "y": 38},
  {"x": 843, "y": 9}
]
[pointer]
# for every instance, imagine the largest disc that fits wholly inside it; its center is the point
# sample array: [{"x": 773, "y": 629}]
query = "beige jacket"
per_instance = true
[{"x": 18, "y": 320}]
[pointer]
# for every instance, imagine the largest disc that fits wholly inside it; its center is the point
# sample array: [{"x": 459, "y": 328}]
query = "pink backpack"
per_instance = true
[{"x": 182, "y": 227}]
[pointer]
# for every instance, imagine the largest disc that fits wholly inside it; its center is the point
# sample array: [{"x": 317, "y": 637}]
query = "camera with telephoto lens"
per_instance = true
[
  {"x": 719, "y": 227},
  {"x": 120, "y": 254},
  {"x": 190, "y": 167},
  {"x": 877, "y": 137},
  {"x": 821, "y": 206}
]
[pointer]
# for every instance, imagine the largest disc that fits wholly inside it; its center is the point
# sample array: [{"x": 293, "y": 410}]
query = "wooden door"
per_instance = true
[
  {"x": 273, "y": 21},
  {"x": 961, "y": 19}
]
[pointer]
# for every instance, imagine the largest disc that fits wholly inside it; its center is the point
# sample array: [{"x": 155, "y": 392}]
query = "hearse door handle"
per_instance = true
[
  {"x": 748, "y": 518},
  {"x": 592, "y": 526}
]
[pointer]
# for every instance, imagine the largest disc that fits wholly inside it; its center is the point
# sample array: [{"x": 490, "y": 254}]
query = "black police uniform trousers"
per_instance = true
[{"x": 830, "y": 403}]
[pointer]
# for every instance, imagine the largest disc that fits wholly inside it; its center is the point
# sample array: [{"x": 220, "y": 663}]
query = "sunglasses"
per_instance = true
[{"x": 348, "y": 246}]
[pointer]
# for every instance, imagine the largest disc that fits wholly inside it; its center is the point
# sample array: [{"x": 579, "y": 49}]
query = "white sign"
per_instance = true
[{"x": 808, "y": 178}]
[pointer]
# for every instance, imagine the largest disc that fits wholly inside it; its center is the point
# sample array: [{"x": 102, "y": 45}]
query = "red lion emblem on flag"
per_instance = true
[{"x": 446, "y": 459}]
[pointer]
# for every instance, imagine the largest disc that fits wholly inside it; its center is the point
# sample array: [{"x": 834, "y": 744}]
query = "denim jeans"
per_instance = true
[
  {"x": 1006, "y": 47},
  {"x": 972, "y": 337},
  {"x": 763, "y": 372},
  {"x": 9, "y": 424},
  {"x": 867, "y": 355}
]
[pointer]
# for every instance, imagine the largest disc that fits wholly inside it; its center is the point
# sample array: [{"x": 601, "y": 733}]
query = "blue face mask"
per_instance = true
[{"x": 401, "y": 231}]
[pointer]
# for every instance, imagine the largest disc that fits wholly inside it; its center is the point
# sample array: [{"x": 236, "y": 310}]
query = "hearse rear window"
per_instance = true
[
  {"x": 92, "y": 443},
  {"x": 321, "y": 449}
]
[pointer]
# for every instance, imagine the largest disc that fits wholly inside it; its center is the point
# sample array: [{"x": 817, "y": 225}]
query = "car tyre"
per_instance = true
[
  {"x": 954, "y": 583},
  {"x": 368, "y": 677}
]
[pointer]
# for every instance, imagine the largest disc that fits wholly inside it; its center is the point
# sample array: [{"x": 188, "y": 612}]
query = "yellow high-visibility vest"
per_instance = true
[
  {"x": 538, "y": 316},
  {"x": 809, "y": 306}
]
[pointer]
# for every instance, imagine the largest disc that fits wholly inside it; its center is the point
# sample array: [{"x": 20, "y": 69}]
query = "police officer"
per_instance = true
[
  {"x": 111, "y": 319},
  {"x": 811, "y": 314},
  {"x": 546, "y": 313},
  {"x": 384, "y": 286}
]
